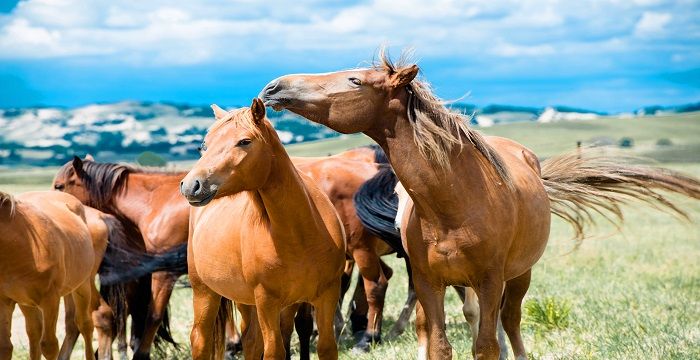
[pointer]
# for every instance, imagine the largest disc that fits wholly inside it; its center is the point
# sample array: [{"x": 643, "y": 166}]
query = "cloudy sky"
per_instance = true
[{"x": 610, "y": 55}]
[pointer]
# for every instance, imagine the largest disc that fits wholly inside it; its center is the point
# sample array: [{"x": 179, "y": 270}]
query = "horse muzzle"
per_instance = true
[{"x": 197, "y": 192}]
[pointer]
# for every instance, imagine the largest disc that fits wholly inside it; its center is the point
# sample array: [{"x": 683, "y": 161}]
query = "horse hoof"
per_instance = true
[
  {"x": 365, "y": 343},
  {"x": 233, "y": 348},
  {"x": 141, "y": 356}
]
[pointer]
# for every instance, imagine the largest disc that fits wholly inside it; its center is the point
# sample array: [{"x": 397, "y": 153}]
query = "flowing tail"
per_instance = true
[
  {"x": 581, "y": 185},
  {"x": 125, "y": 278}
]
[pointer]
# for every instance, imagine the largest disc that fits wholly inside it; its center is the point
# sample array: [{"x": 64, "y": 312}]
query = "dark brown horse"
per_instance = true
[{"x": 481, "y": 205}]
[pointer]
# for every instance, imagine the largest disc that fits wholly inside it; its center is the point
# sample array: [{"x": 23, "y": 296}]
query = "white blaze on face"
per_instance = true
[{"x": 403, "y": 200}]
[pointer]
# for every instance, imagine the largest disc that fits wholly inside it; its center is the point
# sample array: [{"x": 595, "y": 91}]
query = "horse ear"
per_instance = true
[
  {"x": 89, "y": 157},
  {"x": 219, "y": 113},
  {"x": 257, "y": 108},
  {"x": 403, "y": 76},
  {"x": 77, "y": 164}
]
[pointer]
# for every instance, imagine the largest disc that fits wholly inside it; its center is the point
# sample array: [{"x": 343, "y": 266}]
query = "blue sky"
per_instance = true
[{"x": 609, "y": 55}]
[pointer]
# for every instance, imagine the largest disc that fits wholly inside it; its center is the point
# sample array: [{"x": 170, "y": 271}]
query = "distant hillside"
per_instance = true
[
  {"x": 120, "y": 131},
  {"x": 43, "y": 136}
]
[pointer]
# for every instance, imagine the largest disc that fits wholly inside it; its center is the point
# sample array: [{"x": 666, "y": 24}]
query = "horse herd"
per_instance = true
[{"x": 278, "y": 236}]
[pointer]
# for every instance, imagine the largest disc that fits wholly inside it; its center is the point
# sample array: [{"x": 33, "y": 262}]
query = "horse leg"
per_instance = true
[
  {"x": 490, "y": 291},
  {"x": 49, "y": 342},
  {"x": 511, "y": 312},
  {"x": 304, "y": 324},
  {"x": 206, "y": 307},
  {"x": 233, "y": 339},
  {"x": 325, "y": 305},
  {"x": 103, "y": 318},
  {"x": 34, "y": 323},
  {"x": 162, "y": 284},
  {"x": 421, "y": 332},
  {"x": 287, "y": 327},
  {"x": 411, "y": 298},
  {"x": 375, "y": 283},
  {"x": 250, "y": 332},
  {"x": 71, "y": 327},
  {"x": 358, "y": 309},
  {"x": 7, "y": 306},
  {"x": 268, "y": 310},
  {"x": 432, "y": 300},
  {"x": 83, "y": 315},
  {"x": 470, "y": 309},
  {"x": 345, "y": 281}
]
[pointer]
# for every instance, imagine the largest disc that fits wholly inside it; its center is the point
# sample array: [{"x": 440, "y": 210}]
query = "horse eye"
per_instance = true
[
  {"x": 244, "y": 142},
  {"x": 59, "y": 187},
  {"x": 202, "y": 148},
  {"x": 355, "y": 81}
]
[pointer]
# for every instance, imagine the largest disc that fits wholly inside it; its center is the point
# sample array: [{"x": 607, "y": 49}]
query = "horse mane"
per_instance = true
[
  {"x": 240, "y": 117},
  {"x": 105, "y": 180},
  {"x": 437, "y": 130},
  {"x": 8, "y": 201}
]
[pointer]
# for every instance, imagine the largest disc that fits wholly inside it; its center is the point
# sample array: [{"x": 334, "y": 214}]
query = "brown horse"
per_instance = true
[
  {"x": 481, "y": 206},
  {"x": 269, "y": 236},
  {"x": 148, "y": 203},
  {"x": 46, "y": 252}
]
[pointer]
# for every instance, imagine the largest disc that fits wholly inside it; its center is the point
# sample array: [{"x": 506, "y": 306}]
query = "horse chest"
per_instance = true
[{"x": 218, "y": 264}]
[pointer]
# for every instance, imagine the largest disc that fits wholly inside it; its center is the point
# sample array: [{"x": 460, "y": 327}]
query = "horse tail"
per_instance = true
[
  {"x": 7, "y": 204},
  {"x": 116, "y": 295},
  {"x": 125, "y": 280},
  {"x": 224, "y": 315},
  {"x": 132, "y": 265},
  {"x": 579, "y": 186},
  {"x": 376, "y": 205}
]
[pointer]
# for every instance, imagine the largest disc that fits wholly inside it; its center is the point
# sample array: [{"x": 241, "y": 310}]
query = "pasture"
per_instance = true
[{"x": 626, "y": 294}]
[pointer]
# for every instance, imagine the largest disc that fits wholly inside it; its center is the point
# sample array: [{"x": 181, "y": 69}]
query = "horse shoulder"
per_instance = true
[{"x": 326, "y": 210}]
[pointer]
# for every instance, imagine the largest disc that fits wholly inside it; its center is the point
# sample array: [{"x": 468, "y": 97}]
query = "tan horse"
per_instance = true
[
  {"x": 45, "y": 253},
  {"x": 481, "y": 206},
  {"x": 269, "y": 237},
  {"x": 104, "y": 230}
]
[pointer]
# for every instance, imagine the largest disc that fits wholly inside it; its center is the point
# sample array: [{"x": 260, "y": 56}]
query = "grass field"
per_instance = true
[{"x": 633, "y": 294}]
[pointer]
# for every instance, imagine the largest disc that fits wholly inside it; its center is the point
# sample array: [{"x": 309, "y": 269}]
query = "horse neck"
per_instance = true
[
  {"x": 284, "y": 197},
  {"x": 441, "y": 196},
  {"x": 135, "y": 201}
]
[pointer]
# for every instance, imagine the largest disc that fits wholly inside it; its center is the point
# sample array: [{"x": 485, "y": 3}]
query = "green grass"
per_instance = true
[{"x": 633, "y": 294}]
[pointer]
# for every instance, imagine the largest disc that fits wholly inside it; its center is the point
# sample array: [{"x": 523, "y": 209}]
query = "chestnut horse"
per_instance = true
[
  {"x": 269, "y": 236},
  {"x": 481, "y": 205},
  {"x": 148, "y": 203},
  {"x": 46, "y": 252}
]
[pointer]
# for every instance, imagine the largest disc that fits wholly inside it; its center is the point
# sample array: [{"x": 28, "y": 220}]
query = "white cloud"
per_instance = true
[
  {"x": 652, "y": 23},
  {"x": 162, "y": 32}
]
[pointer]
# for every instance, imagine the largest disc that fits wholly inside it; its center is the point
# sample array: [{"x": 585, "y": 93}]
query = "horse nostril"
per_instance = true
[{"x": 196, "y": 187}]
